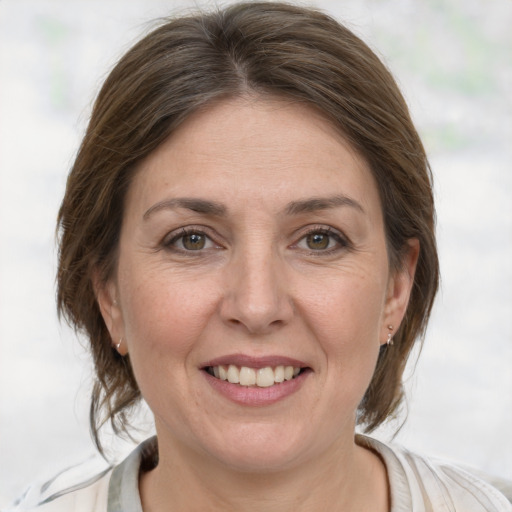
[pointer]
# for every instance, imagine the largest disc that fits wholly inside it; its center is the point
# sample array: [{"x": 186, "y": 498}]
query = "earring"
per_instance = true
[
  {"x": 389, "y": 341},
  {"x": 118, "y": 345}
]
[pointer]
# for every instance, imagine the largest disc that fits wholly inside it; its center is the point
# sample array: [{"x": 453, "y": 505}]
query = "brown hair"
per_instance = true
[{"x": 188, "y": 62}]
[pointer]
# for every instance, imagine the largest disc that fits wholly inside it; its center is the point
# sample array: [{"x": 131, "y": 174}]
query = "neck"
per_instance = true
[{"x": 347, "y": 475}]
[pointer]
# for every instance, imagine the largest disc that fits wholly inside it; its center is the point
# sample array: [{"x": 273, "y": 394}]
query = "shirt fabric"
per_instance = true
[{"x": 417, "y": 484}]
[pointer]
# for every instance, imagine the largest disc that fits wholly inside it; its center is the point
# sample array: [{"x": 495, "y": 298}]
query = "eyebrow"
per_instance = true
[
  {"x": 196, "y": 205},
  {"x": 321, "y": 203},
  {"x": 219, "y": 210}
]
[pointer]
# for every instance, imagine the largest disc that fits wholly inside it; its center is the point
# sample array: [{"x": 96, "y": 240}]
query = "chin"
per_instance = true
[{"x": 253, "y": 449}]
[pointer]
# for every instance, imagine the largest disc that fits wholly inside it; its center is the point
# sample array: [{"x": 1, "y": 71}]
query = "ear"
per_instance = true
[
  {"x": 399, "y": 290},
  {"x": 107, "y": 297}
]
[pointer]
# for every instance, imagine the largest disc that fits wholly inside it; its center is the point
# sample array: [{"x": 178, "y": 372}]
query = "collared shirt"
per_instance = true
[{"x": 417, "y": 484}]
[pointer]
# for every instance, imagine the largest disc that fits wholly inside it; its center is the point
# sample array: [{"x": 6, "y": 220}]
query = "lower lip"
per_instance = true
[{"x": 253, "y": 395}]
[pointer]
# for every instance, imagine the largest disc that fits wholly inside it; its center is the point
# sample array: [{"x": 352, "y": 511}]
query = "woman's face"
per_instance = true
[{"x": 252, "y": 248}]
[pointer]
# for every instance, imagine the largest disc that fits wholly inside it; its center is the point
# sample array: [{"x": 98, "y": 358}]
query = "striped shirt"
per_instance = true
[{"x": 417, "y": 484}]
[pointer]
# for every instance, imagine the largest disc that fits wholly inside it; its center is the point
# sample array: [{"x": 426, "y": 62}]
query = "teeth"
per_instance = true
[
  {"x": 265, "y": 377},
  {"x": 279, "y": 374},
  {"x": 233, "y": 374},
  {"x": 247, "y": 376},
  {"x": 261, "y": 377},
  {"x": 223, "y": 373}
]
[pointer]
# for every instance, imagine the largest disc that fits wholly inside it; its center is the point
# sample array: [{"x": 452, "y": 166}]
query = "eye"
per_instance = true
[
  {"x": 322, "y": 240},
  {"x": 189, "y": 240},
  {"x": 193, "y": 241},
  {"x": 318, "y": 241}
]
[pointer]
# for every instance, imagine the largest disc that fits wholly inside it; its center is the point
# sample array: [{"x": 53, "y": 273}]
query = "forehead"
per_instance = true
[{"x": 266, "y": 150}]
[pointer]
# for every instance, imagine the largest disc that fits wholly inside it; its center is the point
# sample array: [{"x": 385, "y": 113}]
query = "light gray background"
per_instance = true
[{"x": 453, "y": 61}]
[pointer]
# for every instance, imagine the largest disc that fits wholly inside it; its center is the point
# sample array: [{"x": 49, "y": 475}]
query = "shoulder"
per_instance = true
[
  {"x": 445, "y": 482},
  {"x": 58, "y": 495},
  {"x": 112, "y": 489},
  {"x": 422, "y": 482}
]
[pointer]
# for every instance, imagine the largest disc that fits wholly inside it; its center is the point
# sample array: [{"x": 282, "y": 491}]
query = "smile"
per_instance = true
[{"x": 257, "y": 377}]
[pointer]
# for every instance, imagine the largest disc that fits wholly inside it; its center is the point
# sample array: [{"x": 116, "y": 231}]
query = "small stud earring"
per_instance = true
[
  {"x": 118, "y": 345},
  {"x": 389, "y": 341}
]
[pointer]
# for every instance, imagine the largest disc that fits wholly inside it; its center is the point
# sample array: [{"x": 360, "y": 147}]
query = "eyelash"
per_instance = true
[
  {"x": 341, "y": 242},
  {"x": 181, "y": 233}
]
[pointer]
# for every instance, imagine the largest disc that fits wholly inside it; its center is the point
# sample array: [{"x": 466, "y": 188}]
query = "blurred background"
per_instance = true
[{"x": 453, "y": 60}]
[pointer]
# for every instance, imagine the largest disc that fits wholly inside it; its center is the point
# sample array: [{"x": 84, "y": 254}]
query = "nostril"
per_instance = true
[{"x": 257, "y": 313}]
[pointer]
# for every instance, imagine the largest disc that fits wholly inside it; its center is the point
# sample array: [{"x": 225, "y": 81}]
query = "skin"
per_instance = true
[{"x": 259, "y": 287}]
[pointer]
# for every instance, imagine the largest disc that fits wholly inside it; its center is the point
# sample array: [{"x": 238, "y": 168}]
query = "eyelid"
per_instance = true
[
  {"x": 172, "y": 237},
  {"x": 343, "y": 242}
]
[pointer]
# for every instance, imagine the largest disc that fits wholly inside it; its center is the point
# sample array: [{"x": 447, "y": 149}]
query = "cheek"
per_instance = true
[
  {"x": 164, "y": 322},
  {"x": 346, "y": 321},
  {"x": 347, "y": 309},
  {"x": 162, "y": 311}
]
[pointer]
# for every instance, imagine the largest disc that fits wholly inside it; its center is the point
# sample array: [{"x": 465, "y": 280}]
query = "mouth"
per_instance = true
[{"x": 247, "y": 376}]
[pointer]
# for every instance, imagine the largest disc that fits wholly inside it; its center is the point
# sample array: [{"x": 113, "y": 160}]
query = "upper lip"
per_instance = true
[{"x": 254, "y": 361}]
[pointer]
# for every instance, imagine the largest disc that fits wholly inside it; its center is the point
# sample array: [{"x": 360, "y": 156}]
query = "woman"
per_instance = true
[{"x": 247, "y": 239}]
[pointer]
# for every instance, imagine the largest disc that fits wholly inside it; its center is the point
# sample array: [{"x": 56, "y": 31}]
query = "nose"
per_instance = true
[{"x": 257, "y": 297}]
